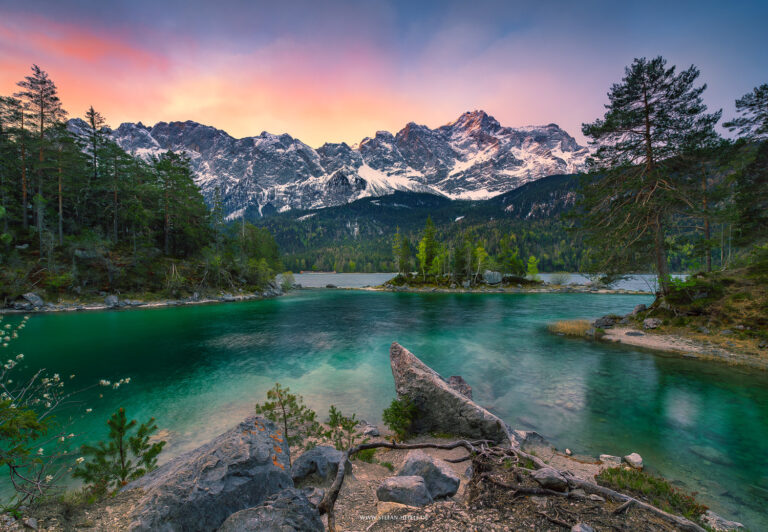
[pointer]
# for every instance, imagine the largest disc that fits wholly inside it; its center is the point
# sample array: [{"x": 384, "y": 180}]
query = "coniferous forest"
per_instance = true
[{"x": 80, "y": 216}]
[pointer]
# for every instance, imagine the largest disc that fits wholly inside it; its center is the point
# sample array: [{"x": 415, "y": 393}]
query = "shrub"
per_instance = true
[
  {"x": 287, "y": 281},
  {"x": 341, "y": 431},
  {"x": 399, "y": 417},
  {"x": 388, "y": 465},
  {"x": 655, "y": 489},
  {"x": 299, "y": 422},
  {"x": 366, "y": 455},
  {"x": 110, "y": 464}
]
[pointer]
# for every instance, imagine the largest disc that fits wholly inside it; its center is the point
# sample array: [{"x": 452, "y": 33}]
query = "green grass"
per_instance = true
[
  {"x": 366, "y": 455},
  {"x": 388, "y": 465},
  {"x": 655, "y": 490}
]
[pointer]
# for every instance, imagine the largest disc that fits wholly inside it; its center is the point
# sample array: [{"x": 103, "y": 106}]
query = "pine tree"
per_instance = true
[
  {"x": 39, "y": 95},
  {"x": 653, "y": 115},
  {"x": 753, "y": 107}
]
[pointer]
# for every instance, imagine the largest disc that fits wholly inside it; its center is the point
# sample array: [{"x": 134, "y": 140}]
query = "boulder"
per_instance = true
[
  {"x": 439, "y": 407},
  {"x": 440, "y": 479},
  {"x": 33, "y": 299},
  {"x": 491, "y": 277},
  {"x": 458, "y": 383},
  {"x": 315, "y": 495},
  {"x": 634, "y": 460},
  {"x": 610, "y": 460},
  {"x": 201, "y": 488},
  {"x": 720, "y": 524},
  {"x": 550, "y": 479},
  {"x": 651, "y": 323},
  {"x": 411, "y": 491},
  {"x": 638, "y": 309},
  {"x": 286, "y": 511},
  {"x": 111, "y": 301},
  {"x": 371, "y": 431},
  {"x": 606, "y": 322},
  {"x": 318, "y": 465}
]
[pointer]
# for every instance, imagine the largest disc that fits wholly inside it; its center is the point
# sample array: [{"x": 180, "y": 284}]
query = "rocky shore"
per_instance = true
[
  {"x": 243, "y": 481},
  {"x": 32, "y": 302}
]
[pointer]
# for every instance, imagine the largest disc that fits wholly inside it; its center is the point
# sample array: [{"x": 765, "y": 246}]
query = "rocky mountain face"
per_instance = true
[{"x": 473, "y": 157}]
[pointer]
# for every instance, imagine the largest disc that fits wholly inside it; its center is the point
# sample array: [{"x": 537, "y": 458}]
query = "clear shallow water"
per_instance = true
[{"x": 200, "y": 369}]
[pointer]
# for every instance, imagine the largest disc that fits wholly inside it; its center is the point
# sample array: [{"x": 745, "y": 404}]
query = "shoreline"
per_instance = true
[{"x": 680, "y": 345}]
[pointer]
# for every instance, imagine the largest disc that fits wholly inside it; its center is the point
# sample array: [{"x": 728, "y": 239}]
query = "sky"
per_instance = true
[{"x": 335, "y": 70}]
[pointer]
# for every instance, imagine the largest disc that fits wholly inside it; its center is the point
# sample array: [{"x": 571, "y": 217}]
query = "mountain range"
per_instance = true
[{"x": 473, "y": 157}]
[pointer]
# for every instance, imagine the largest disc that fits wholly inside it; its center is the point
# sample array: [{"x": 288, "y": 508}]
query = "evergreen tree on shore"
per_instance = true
[{"x": 653, "y": 115}]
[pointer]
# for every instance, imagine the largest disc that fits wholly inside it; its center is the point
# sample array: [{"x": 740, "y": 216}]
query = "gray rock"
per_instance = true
[
  {"x": 35, "y": 300},
  {"x": 440, "y": 408},
  {"x": 613, "y": 461},
  {"x": 286, "y": 511},
  {"x": 550, "y": 479},
  {"x": 371, "y": 431},
  {"x": 651, "y": 323},
  {"x": 111, "y": 301},
  {"x": 720, "y": 524},
  {"x": 437, "y": 474},
  {"x": 634, "y": 460},
  {"x": 634, "y": 333},
  {"x": 466, "y": 284},
  {"x": 411, "y": 491},
  {"x": 582, "y": 527},
  {"x": 638, "y": 309},
  {"x": 726, "y": 332},
  {"x": 315, "y": 495},
  {"x": 595, "y": 497},
  {"x": 201, "y": 488},
  {"x": 606, "y": 322},
  {"x": 31, "y": 523},
  {"x": 318, "y": 465},
  {"x": 491, "y": 277},
  {"x": 458, "y": 383}
]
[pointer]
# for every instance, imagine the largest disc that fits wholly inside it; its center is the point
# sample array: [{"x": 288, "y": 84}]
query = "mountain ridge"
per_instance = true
[{"x": 472, "y": 157}]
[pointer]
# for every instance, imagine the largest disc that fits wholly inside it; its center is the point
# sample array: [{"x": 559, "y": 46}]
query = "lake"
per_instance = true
[{"x": 200, "y": 369}]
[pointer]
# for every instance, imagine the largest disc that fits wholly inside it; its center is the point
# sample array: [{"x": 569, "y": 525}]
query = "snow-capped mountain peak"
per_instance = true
[{"x": 472, "y": 157}]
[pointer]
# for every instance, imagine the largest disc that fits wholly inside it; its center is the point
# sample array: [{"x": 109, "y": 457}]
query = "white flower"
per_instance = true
[
  {"x": 72, "y": 376},
  {"x": 104, "y": 382},
  {"x": 7, "y": 325},
  {"x": 48, "y": 478},
  {"x": 80, "y": 460},
  {"x": 71, "y": 435},
  {"x": 40, "y": 451},
  {"x": 61, "y": 439},
  {"x": 89, "y": 410},
  {"x": 20, "y": 356}
]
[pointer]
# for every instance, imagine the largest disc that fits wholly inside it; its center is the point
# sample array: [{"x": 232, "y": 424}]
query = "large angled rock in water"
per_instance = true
[
  {"x": 441, "y": 408},
  {"x": 200, "y": 489},
  {"x": 287, "y": 511}
]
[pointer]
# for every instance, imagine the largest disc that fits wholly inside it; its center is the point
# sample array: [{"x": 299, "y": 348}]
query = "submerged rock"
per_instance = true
[
  {"x": 440, "y": 479},
  {"x": 411, "y": 491},
  {"x": 440, "y": 408},
  {"x": 318, "y": 465},
  {"x": 286, "y": 511},
  {"x": 720, "y": 524},
  {"x": 201, "y": 488}
]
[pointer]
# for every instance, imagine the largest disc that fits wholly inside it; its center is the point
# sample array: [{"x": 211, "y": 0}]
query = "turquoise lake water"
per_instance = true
[{"x": 200, "y": 369}]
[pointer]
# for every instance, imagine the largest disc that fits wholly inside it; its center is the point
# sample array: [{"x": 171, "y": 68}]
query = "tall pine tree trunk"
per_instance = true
[
  {"x": 61, "y": 206},
  {"x": 661, "y": 255},
  {"x": 705, "y": 209},
  {"x": 114, "y": 203},
  {"x": 39, "y": 199},
  {"x": 167, "y": 226},
  {"x": 24, "y": 213}
]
